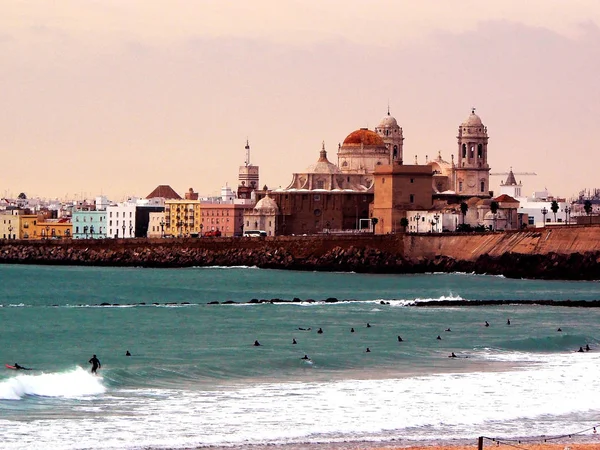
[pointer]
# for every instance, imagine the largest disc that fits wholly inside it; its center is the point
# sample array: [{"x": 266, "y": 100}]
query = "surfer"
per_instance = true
[
  {"x": 452, "y": 355},
  {"x": 508, "y": 322},
  {"x": 487, "y": 324},
  {"x": 256, "y": 344},
  {"x": 439, "y": 338},
  {"x": 18, "y": 367},
  {"x": 368, "y": 350},
  {"x": 352, "y": 330},
  {"x": 95, "y": 362},
  {"x": 306, "y": 358},
  {"x": 294, "y": 341},
  {"x": 399, "y": 339},
  {"x": 580, "y": 350},
  {"x": 560, "y": 329},
  {"x": 320, "y": 331},
  {"x": 587, "y": 347},
  {"x": 368, "y": 325},
  {"x": 127, "y": 353},
  {"x": 447, "y": 329}
]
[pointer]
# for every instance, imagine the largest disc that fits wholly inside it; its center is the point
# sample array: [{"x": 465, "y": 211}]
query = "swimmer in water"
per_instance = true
[{"x": 452, "y": 355}]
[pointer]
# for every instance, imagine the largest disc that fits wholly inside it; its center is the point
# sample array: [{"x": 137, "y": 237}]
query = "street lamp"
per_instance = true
[
  {"x": 544, "y": 212},
  {"x": 47, "y": 231},
  {"x": 437, "y": 218},
  {"x": 417, "y": 218},
  {"x": 567, "y": 211},
  {"x": 10, "y": 228},
  {"x": 131, "y": 230},
  {"x": 123, "y": 227},
  {"x": 162, "y": 228}
]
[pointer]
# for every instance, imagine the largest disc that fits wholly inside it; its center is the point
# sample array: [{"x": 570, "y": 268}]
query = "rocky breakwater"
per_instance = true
[{"x": 368, "y": 254}]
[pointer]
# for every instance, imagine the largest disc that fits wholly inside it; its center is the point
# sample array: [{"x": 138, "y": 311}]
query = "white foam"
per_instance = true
[{"x": 75, "y": 383}]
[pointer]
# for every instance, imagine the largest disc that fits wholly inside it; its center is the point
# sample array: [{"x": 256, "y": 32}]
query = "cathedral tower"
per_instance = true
[
  {"x": 472, "y": 172},
  {"x": 247, "y": 176},
  {"x": 391, "y": 134}
]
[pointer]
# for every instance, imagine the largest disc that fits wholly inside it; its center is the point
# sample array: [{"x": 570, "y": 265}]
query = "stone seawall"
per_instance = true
[{"x": 550, "y": 253}]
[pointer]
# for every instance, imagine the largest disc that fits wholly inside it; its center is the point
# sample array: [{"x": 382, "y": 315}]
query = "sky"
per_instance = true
[{"x": 115, "y": 97}]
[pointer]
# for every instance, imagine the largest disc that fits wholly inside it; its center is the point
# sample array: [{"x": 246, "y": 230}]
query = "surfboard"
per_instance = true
[{"x": 8, "y": 366}]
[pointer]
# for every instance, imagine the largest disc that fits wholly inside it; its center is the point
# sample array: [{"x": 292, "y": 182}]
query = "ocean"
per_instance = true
[{"x": 195, "y": 379}]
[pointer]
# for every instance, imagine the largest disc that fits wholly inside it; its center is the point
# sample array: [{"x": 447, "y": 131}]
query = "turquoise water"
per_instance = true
[{"x": 195, "y": 379}]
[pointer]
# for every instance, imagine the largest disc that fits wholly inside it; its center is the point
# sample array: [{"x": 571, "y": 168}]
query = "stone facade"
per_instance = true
[
  {"x": 472, "y": 172},
  {"x": 399, "y": 188}
]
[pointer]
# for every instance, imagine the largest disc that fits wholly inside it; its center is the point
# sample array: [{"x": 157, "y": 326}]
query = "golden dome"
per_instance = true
[{"x": 363, "y": 136}]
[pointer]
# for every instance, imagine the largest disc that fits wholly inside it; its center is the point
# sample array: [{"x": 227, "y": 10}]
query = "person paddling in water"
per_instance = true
[
  {"x": 18, "y": 367},
  {"x": 95, "y": 362}
]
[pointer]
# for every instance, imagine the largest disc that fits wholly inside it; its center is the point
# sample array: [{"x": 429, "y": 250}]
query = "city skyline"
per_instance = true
[{"x": 113, "y": 98}]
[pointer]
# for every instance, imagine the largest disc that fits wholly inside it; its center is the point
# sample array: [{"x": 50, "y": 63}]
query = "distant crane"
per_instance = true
[{"x": 510, "y": 174}]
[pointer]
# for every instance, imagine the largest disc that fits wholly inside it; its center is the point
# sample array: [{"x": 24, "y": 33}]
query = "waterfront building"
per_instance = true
[
  {"x": 54, "y": 228},
  {"x": 225, "y": 218},
  {"x": 399, "y": 188},
  {"x": 182, "y": 218},
  {"x": 263, "y": 217},
  {"x": 323, "y": 199},
  {"x": 10, "y": 225},
  {"x": 121, "y": 220},
  {"x": 156, "y": 224},
  {"x": 89, "y": 224}
]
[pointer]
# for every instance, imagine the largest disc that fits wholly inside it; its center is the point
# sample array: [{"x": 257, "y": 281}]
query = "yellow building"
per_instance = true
[
  {"x": 28, "y": 226},
  {"x": 37, "y": 226},
  {"x": 54, "y": 228},
  {"x": 182, "y": 218},
  {"x": 9, "y": 226}
]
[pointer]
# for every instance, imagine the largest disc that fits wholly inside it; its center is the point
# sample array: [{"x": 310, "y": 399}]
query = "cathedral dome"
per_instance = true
[
  {"x": 267, "y": 204},
  {"x": 473, "y": 120},
  {"x": 363, "y": 136},
  {"x": 323, "y": 165},
  {"x": 388, "y": 122}
]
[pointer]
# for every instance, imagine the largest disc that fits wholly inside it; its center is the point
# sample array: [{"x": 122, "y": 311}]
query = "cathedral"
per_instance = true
[{"x": 328, "y": 197}]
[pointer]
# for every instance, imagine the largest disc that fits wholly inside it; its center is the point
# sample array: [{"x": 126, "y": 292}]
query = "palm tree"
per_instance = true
[
  {"x": 587, "y": 207},
  {"x": 463, "y": 209},
  {"x": 494, "y": 209},
  {"x": 404, "y": 223},
  {"x": 374, "y": 221},
  {"x": 554, "y": 207}
]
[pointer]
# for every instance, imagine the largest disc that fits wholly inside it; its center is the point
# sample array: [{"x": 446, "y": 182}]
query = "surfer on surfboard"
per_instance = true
[{"x": 95, "y": 362}]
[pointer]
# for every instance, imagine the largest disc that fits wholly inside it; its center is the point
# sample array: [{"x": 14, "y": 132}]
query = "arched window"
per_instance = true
[
  {"x": 483, "y": 186},
  {"x": 480, "y": 151},
  {"x": 464, "y": 150}
]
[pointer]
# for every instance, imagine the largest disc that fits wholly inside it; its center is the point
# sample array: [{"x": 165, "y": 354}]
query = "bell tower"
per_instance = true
[
  {"x": 472, "y": 172},
  {"x": 391, "y": 133}
]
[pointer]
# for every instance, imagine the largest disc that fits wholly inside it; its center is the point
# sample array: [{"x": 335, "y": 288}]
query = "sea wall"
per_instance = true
[{"x": 550, "y": 253}]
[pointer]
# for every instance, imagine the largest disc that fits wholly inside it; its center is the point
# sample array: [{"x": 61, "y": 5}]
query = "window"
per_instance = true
[
  {"x": 480, "y": 151},
  {"x": 412, "y": 180},
  {"x": 483, "y": 186},
  {"x": 464, "y": 150},
  {"x": 317, "y": 197},
  {"x": 383, "y": 181},
  {"x": 412, "y": 198},
  {"x": 460, "y": 186}
]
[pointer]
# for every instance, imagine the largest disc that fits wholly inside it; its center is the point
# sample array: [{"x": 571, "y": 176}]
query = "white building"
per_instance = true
[
  {"x": 538, "y": 206},
  {"x": 121, "y": 220}
]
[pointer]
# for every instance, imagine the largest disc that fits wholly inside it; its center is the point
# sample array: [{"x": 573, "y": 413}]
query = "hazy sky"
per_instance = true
[{"x": 119, "y": 96}]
